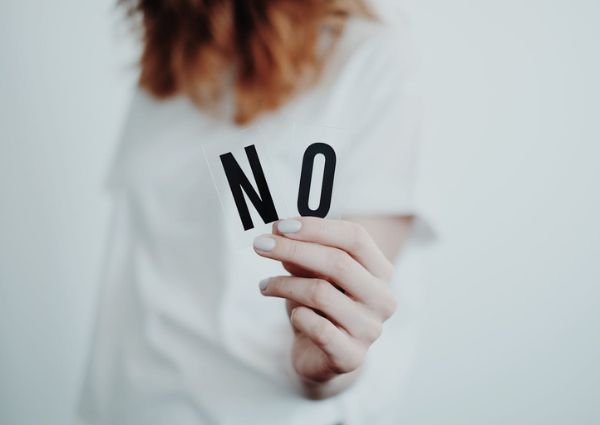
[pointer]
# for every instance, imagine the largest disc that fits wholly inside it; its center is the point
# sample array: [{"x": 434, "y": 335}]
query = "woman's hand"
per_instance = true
[{"x": 338, "y": 294}]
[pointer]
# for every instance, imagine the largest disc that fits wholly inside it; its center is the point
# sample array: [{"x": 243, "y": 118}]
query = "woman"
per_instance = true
[{"x": 184, "y": 336}]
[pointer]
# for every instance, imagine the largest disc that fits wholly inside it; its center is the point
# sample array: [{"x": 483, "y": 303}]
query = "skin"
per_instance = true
[{"x": 337, "y": 293}]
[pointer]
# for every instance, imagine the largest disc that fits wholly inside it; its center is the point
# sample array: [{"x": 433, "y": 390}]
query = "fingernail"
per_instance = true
[
  {"x": 264, "y": 243},
  {"x": 263, "y": 284},
  {"x": 289, "y": 226}
]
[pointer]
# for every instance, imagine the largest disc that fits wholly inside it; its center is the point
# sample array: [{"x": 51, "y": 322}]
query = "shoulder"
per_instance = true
[
  {"x": 372, "y": 64},
  {"x": 376, "y": 48}
]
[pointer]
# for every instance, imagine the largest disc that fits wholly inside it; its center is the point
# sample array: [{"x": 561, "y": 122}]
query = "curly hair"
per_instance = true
[{"x": 265, "y": 51}]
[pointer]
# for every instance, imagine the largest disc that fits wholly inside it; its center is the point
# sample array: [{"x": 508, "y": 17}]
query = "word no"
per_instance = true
[{"x": 263, "y": 201}]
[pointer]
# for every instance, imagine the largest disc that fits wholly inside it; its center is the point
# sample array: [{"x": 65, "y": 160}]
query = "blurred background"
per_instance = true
[{"x": 510, "y": 329}]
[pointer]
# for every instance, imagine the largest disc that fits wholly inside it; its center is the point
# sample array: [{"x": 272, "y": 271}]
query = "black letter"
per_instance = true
[
  {"x": 238, "y": 181},
  {"x": 306, "y": 177}
]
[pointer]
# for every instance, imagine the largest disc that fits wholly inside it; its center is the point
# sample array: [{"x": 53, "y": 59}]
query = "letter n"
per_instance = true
[{"x": 239, "y": 184}]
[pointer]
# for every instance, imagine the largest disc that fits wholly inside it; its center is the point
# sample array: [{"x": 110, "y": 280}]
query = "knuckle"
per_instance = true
[
  {"x": 357, "y": 360},
  {"x": 296, "y": 316},
  {"x": 389, "y": 272},
  {"x": 357, "y": 234},
  {"x": 341, "y": 366},
  {"x": 376, "y": 330},
  {"x": 338, "y": 261},
  {"x": 389, "y": 307},
  {"x": 293, "y": 314},
  {"x": 349, "y": 362},
  {"x": 373, "y": 331},
  {"x": 319, "y": 293},
  {"x": 323, "y": 334}
]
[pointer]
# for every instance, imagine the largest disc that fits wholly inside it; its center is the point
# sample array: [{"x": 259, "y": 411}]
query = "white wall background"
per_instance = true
[{"x": 511, "y": 328}]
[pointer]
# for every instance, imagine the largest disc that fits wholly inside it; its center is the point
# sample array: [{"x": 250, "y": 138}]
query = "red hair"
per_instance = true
[{"x": 264, "y": 50}]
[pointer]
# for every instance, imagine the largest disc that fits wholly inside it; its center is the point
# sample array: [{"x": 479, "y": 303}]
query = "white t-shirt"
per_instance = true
[{"x": 183, "y": 335}]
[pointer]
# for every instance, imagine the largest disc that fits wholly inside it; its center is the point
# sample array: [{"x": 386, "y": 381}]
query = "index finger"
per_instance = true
[{"x": 345, "y": 235}]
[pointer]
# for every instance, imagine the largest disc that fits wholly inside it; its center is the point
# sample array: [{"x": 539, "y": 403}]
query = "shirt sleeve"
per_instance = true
[
  {"x": 380, "y": 177},
  {"x": 379, "y": 167}
]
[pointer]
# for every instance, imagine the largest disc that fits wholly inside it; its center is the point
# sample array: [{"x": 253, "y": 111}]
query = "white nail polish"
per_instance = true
[
  {"x": 264, "y": 243},
  {"x": 263, "y": 284},
  {"x": 289, "y": 226}
]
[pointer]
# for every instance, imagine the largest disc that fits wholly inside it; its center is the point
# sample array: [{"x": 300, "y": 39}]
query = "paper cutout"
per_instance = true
[
  {"x": 259, "y": 181},
  {"x": 304, "y": 189}
]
